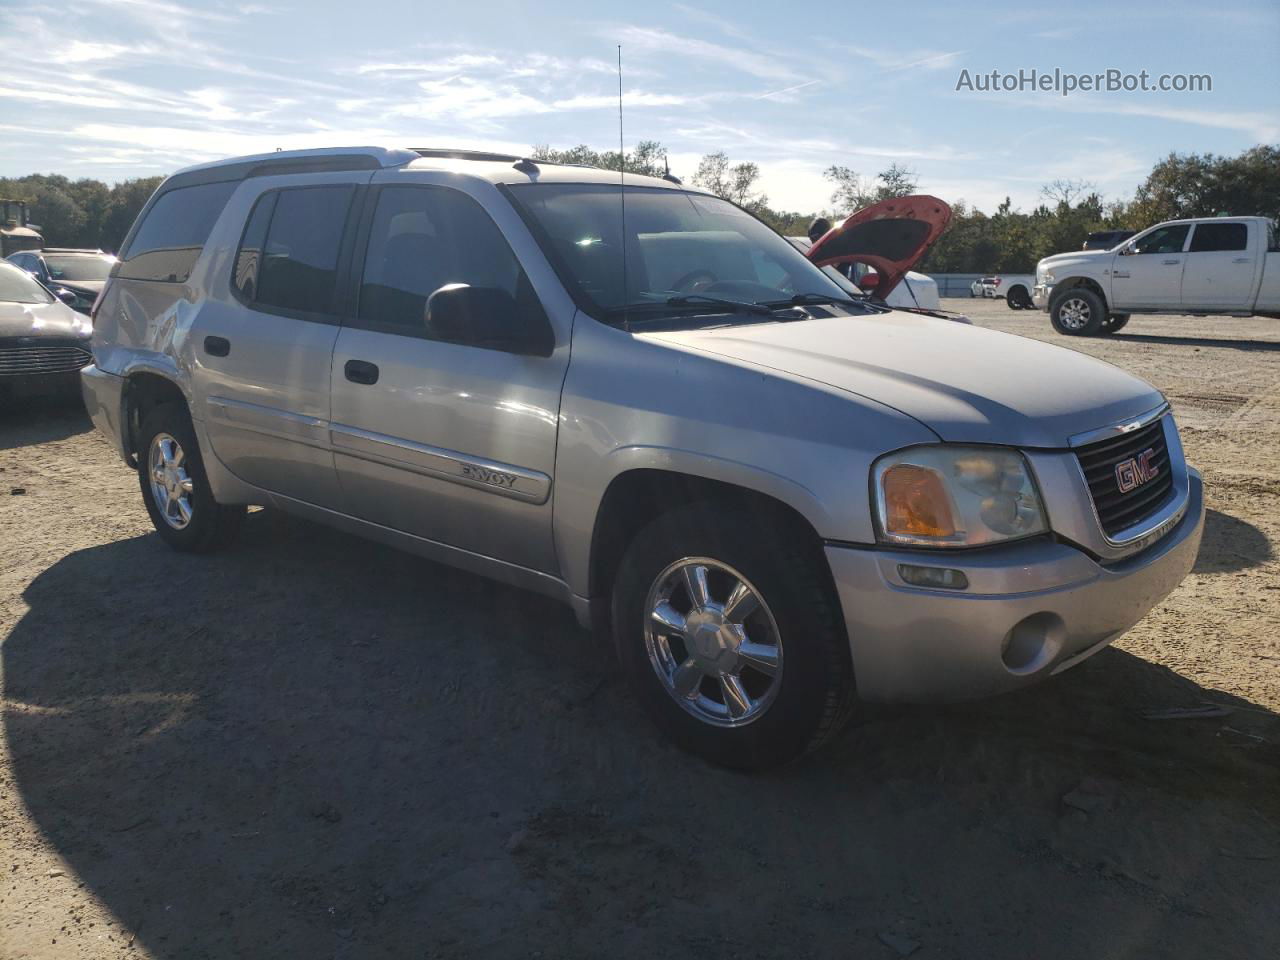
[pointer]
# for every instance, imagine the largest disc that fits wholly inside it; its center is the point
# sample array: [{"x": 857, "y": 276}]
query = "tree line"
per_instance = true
[
  {"x": 89, "y": 213},
  {"x": 1007, "y": 240}
]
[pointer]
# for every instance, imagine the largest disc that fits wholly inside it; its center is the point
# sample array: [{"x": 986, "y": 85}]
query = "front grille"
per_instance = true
[
  {"x": 37, "y": 360},
  {"x": 1118, "y": 510}
]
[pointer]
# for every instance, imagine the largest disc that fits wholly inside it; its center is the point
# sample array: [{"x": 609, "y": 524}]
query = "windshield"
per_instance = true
[
  {"x": 18, "y": 286},
  {"x": 678, "y": 245},
  {"x": 79, "y": 268}
]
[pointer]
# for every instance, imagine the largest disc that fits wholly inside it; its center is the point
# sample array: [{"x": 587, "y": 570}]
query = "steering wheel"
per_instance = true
[{"x": 694, "y": 281}]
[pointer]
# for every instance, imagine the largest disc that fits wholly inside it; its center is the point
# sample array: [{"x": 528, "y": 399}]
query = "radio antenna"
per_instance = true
[{"x": 622, "y": 195}]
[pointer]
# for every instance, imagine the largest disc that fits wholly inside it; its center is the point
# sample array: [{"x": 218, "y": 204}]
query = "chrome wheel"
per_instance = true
[
  {"x": 1074, "y": 313},
  {"x": 170, "y": 483},
  {"x": 713, "y": 642}
]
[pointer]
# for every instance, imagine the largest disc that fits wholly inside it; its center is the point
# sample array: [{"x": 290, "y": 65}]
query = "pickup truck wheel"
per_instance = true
[
  {"x": 731, "y": 638},
  {"x": 175, "y": 487},
  {"x": 1078, "y": 312},
  {"x": 1013, "y": 302},
  {"x": 1018, "y": 298},
  {"x": 1114, "y": 322}
]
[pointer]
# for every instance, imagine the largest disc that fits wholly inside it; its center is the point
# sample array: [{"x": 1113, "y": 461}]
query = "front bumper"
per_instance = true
[
  {"x": 1032, "y": 609},
  {"x": 1040, "y": 295},
  {"x": 104, "y": 399}
]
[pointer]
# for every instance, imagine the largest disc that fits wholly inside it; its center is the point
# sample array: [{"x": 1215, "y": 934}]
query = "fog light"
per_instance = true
[{"x": 939, "y": 578}]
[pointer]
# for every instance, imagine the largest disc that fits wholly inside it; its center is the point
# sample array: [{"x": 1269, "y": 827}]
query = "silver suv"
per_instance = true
[{"x": 777, "y": 497}]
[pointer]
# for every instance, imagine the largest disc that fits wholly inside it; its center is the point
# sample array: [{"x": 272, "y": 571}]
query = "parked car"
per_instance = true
[
  {"x": 74, "y": 275},
  {"x": 983, "y": 287},
  {"x": 1106, "y": 239},
  {"x": 761, "y": 487},
  {"x": 1218, "y": 265},
  {"x": 43, "y": 342},
  {"x": 875, "y": 248},
  {"x": 1015, "y": 288}
]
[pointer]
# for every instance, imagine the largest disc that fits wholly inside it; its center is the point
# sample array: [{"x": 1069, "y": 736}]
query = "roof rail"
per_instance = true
[
  {"x": 290, "y": 161},
  {"x": 70, "y": 250},
  {"x": 446, "y": 153}
]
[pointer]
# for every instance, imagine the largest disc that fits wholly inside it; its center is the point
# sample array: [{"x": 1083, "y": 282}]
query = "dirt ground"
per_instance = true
[{"x": 311, "y": 746}]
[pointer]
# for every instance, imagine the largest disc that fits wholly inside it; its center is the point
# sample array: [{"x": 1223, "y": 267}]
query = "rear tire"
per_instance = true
[
  {"x": 1018, "y": 298},
  {"x": 175, "y": 487},
  {"x": 1078, "y": 312},
  {"x": 796, "y": 705}
]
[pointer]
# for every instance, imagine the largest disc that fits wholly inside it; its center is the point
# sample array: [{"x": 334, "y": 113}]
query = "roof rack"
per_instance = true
[{"x": 445, "y": 153}]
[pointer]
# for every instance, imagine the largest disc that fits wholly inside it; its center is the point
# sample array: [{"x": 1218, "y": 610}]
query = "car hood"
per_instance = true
[
  {"x": 890, "y": 236},
  {"x": 42, "y": 320},
  {"x": 967, "y": 384},
  {"x": 1073, "y": 257}
]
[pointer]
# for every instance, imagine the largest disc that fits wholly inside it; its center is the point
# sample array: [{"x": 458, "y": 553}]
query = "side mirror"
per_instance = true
[
  {"x": 1126, "y": 250},
  {"x": 870, "y": 280},
  {"x": 66, "y": 296},
  {"x": 488, "y": 318}
]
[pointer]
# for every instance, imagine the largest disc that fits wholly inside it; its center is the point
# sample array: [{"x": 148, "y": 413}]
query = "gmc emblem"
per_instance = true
[{"x": 1134, "y": 472}]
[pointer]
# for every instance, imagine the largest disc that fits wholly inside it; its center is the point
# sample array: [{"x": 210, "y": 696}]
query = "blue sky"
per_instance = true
[{"x": 123, "y": 88}]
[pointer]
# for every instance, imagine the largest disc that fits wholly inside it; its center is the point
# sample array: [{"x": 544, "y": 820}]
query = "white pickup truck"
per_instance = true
[{"x": 1219, "y": 265}]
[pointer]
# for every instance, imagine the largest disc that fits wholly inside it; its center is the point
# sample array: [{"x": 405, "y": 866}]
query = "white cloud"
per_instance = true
[{"x": 655, "y": 41}]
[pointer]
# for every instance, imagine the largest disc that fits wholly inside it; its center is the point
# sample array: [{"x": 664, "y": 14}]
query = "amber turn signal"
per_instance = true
[{"x": 916, "y": 502}]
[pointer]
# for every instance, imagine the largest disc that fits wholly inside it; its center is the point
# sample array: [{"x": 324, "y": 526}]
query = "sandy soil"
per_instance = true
[{"x": 310, "y": 746}]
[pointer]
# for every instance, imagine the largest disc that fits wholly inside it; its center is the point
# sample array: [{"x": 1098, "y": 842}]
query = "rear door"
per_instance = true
[
  {"x": 1220, "y": 269},
  {"x": 434, "y": 435},
  {"x": 1150, "y": 274},
  {"x": 265, "y": 344}
]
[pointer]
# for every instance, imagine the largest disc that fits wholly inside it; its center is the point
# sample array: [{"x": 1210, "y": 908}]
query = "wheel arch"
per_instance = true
[
  {"x": 144, "y": 390},
  {"x": 1088, "y": 283},
  {"x": 634, "y": 497}
]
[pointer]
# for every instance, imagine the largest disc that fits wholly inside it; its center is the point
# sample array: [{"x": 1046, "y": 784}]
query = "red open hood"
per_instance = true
[{"x": 891, "y": 236}]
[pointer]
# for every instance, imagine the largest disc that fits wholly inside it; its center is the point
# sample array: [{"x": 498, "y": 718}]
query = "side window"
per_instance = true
[
  {"x": 425, "y": 238},
  {"x": 1165, "y": 240},
  {"x": 249, "y": 256},
  {"x": 288, "y": 255},
  {"x": 1219, "y": 236},
  {"x": 170, "y": 239}
]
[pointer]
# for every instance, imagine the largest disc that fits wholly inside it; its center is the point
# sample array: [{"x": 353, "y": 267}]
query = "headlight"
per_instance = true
[
  {"x": 1047, "y": 277},
  {"x": 952, "y": 496}
]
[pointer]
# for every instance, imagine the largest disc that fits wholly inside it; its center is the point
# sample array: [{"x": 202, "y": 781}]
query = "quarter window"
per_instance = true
[
  {"x": 1210, "y": 237},
  {"x": 288, "y": 256},
  {"x": 424, "y": 238},
  {"x": 1165, "y": 240},
  {"x": 171, "y": 237}
]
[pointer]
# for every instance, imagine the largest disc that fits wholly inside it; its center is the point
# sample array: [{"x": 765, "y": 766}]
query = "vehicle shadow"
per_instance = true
[
  {"x": 312, "y": 746},
  {"x": 1249, "y": 346},
  {"x": 26, "y": 421},
  {"x": 1230, "y": 544}
]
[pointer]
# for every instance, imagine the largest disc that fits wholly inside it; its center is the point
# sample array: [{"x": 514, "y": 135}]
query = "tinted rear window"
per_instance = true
[
  {"x": 172, "y": 234},
  {"x": 288, "y": 257},
  {"x": 1219, "y": 236}
]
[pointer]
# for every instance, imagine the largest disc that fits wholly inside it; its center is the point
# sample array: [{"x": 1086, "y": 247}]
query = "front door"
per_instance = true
[
  {"x": 1150, "y": 274},
  {"x": 1219, "y": 271},
  {"x": 265, "y": 348},
  {"x": 433, "y": 433}
]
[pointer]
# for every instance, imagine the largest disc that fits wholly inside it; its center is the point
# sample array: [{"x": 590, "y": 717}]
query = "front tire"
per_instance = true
[
  {"x": 175, "y": 487},
  {"x": 1078, "y": 312},
  {"x": 731, "y": 636}
]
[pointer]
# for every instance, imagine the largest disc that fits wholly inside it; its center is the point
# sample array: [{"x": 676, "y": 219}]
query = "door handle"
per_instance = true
[
  {"x": 1242, "y": 260},
  {"x": 1172, "y": 262},
  {"x": 361, "y": 371},
  {"x": 217, "y": 346}
]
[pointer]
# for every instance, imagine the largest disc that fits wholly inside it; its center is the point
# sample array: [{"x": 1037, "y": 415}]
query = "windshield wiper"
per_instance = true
[{"x": 746, "y": 306}]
